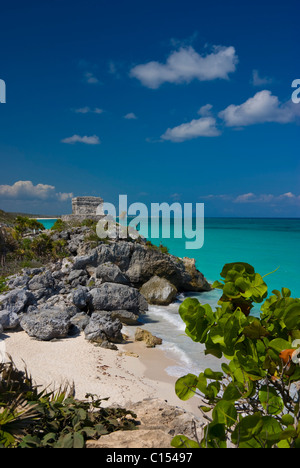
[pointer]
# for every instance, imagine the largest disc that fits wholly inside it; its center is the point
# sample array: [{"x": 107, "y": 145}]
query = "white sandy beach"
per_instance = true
[{"x": 106, "y": 373}]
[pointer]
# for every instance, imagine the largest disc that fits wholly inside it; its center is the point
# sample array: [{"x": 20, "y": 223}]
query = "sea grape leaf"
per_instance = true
[
  {"x": 197, "y": 318},
  {"x": 255, "y": 330},
  {"x": 247, "y": 428},
  {"x": 181, "y": 441},
  {"x": 185, "y": 386},
  {"x": 292, "y": 316},
  {"x": 225, "y": 413},
  {"x": 278, "y": 345},
  {"x": 210, "y": 374},
  {"x": 270, "y": 400},
  {"x": 238, "y": 266}
]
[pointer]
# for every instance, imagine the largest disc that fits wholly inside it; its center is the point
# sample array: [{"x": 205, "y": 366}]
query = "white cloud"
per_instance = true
[
  {"x": 245, "y": 198},
  {"x": 204, "y": 127},
  {"x": 205, "y": 111},
  {"x": 265, "y": 198},
  {"x": 25, "y": 190},
  {"x": 87, "y": 110},
  {"x": 91, "y": 78},
  {"x": 130, "y": 116},
  {"x": 261, "y": 108},
  {"x": 185, "y": 65},
  {"x": 259, "y": 80},
  {"x": 88, "y": 140}
]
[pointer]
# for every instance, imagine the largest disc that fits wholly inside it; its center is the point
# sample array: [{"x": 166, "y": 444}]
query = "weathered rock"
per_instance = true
[
  {"x": 83, "y": 261},
  {"x": 102, "y": 327},
  {"x": 118, "y": 253},
  {"x": 147, "y": 262},
  {"x": 159, "y": 291},
  {"x": 108, "y": 272},
  {"x": 125, "y": 316},
  {"x": 46, "y": 324},
  {"x": 159, "y": 423},
  {"x": 18, "y": 281},
  {"x": 9, "y": 320},
  {"x": 43, "y": 281},
  {"x": 142, "y": 438},
  {"x": 146, "y": 336},
  {"x": 81, "y": 298},
  {"x": 111, "y": 296},
  {"x": 77, "y": 278},
  {"x": 78, "y": 323},
  {"x": 16, "y": 301}
]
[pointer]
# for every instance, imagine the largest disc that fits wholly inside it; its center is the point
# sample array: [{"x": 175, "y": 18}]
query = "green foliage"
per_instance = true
[
  {"x": 30, "y": 418},
  {"x": 59, "y": 226},
  {"x": 24, "y": 224},
  {"x": 161, "y": 248},
  {"x": 3, "y": 286},
  {"x": 255, "y": 400}
]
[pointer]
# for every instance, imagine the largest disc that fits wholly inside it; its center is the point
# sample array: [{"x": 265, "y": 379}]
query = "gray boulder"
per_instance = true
[
  {"x": 108, "y": 272},
  {"x": 102, "y": 328},
  {"x": 46, "y": 324},
  {"x": 78, "y": 323},
  {"x": 118, "y": 253},
  {"x": 77, "y": 277},
  {"x": 159, "y": 291},
  {"x": 81, "y": 262},
  {"x": 16, "y": 301},
  {"x": 111, "y": 296},
  {"x": 9, "y": 320},
  {"x": 43, "y": 281},
  {"x": 81, "y": 298},
  {"x": 147, "y": 262},
  {"x": 125, "y": 316}
]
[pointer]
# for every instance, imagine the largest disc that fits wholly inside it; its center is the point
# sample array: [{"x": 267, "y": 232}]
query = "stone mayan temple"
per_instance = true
[{"x": 84, "y": 208}]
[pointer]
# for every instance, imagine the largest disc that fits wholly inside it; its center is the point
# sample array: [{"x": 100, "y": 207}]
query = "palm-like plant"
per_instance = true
[{"x": 17, "y": 412}]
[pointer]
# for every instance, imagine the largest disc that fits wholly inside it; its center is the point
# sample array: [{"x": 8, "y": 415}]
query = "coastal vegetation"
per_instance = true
[
  {"x": 35, "y": 418},
  {"x": 25, "y": 244},
  {"x": 254, "y": 402}
]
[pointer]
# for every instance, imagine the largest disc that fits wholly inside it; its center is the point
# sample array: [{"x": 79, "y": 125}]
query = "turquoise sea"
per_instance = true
[
  {"x": 267, "y": 244},
  {"x": 47, "y": 222}
]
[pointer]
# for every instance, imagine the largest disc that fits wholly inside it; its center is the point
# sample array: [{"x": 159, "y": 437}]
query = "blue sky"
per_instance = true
[{"x": 160, "y": 100}]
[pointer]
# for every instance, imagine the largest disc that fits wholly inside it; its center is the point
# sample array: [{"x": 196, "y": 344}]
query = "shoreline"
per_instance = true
[{"x": 129, "y": 375}]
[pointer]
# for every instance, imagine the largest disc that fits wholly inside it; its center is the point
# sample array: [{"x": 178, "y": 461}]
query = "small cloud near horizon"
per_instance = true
[{"x": 253, "y": 198}]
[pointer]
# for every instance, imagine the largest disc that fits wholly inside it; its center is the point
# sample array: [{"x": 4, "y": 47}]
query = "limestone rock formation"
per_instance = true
[
  {"x": 159, "y": 291},
  {"x": 159, "y": 423},
  {"x": 146, "y": 336}
]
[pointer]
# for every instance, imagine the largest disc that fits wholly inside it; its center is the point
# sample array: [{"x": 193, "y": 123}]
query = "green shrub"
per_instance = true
[
  {"x": 59, "y": 226},
  {"x": 3, "y": 286},
  {"x": 24, "y": 224},
  {"x": 161, "y": 248},
  {"x": 254, "y": 401}
]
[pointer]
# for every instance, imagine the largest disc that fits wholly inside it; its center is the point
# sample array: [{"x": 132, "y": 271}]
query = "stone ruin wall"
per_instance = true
[{"x": 83, "y": 208}]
